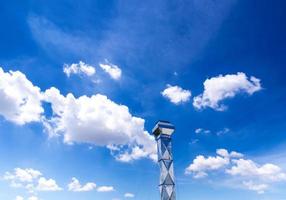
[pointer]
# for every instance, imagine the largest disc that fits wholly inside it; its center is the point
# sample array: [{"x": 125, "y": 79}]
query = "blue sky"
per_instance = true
[{"x": 82, "y": 84}]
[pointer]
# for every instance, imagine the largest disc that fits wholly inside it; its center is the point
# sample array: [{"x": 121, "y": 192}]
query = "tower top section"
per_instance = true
[{"x": 163, "y": 128}]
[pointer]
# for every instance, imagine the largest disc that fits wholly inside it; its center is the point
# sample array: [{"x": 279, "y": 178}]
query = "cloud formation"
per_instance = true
[
  {"x": 98, "y": 120},
  {"x": 248, "y": 168},
  {"x": 19, "y": 198},
  {"x": 201, "y": 130},
  {"x": 259, "y": 188},
  {"x": 31, "y": 180},
  {"x": 176, "y": 94},
  {"x": 221, "y": 87},
  {"x": 249, "y": 174},
  {"x": 112, "y": 70},
  {"x": 129, "y": 195},
  {"x": 95, "y": 120},
  {"x": 105, "y": 189},
  {"x": 47, "y": 185},
  {"x": 201, "y": 165},
  {"x": 79, "y": 68},
  {"x": 20, "y": 100},
  {"x": 75, "y": 186}
]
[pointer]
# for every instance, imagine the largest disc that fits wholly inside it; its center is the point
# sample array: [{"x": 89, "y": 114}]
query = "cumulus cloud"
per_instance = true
[
  {"x": 113, "y": 70},
  {"x": 20, "y": 100},
  {"x": 176, "y": 94},
  {"x": 31, "y": 180},
  {"x": 98, "y": 120},
  {"x": 95, "y": 120},
  {"x": 129, "y": 195},
  {"x": 22, "y": 175},
  {"x": 202, "y": 164},
  {"x": 248, "y": 168},
  {"x": 47, "y": 185},
  {"x": 79, "y": 68},
  {"x": 75, "y": 186},
  {"x": 219, "y": 88},
  {"x": 249, "y": 174},
  {"x": 105, "y": 189}
]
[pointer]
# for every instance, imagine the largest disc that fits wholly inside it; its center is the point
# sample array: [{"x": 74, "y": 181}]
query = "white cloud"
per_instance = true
[
  {"x": 129, "y": 195},
  {"x": 20, "y": 100},
  {"x": 176, "y": 94},
  {"x": 113, "y": 70},
  {"x": 22, "y": 175},
  {"x": 201, "y": 165},
  {"x": 218, "y": 88},
  {"x": 98, "y": 120},
  {"x": 105, "y": 189},
  {"x": 75, "y": 186},
  {"x": 79, "y": 68},
  {"x": 248, "y": 168},
  {"x": 33, "y": 198},
  {"x": 95, "y": 120},
  {"x": 232, "y": 154},
  {"x": 223, "y": 131},
  {"x": 245, "y": 173},
  {"x": 19, "y": 198},
  {"x": 47, "y": 185},
  {"x": 259, "y": 188},
  {"x": 31, "y": 180},
  {"x": 201, "y": 130}
]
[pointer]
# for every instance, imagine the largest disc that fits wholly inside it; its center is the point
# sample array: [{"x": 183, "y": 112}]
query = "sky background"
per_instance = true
[{"x": 154, "y": 45}]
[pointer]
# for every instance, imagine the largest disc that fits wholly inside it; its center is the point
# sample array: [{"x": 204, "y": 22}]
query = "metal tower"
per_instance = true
[{"x": 163, "y": 131}]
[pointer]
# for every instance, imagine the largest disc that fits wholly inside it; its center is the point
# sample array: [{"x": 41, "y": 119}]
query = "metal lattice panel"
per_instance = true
[
  {"x": 163, "y": 131},
  {"x": 167, "y": 183}
]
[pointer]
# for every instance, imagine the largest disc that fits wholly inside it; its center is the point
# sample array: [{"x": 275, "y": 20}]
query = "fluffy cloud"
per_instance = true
[
  {"x": 75, "y": 186},
  {"x": 20, "y": 100},
  {"x": 218, "y": 88},
  {"x": 31, "y": 180},
  {"x": 249, "y": 174},
  {"x": 98, "y": 120},
  {"x": 176, "y": 94},
  {"x": 105, "y": 189},
  {"x": 113, "y": 70},
  {"x": 202, "y": 164},
  {"x": 47, "y": 185},
  {"x": 95, "y": 120},
  {"x": 22, "y": 175},
  {"x": 248, "y": 168},
  {"x": 129, "y": 195},
  {"x": 79, "y": 68}
]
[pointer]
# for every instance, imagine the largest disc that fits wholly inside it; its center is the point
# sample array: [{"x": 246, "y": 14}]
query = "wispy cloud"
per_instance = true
[
  {"x": 111, "y": 69},
  {"x": 79, "y": 68}
]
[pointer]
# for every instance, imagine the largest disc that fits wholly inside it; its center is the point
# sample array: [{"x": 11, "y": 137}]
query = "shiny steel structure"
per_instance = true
[{"x": 162, "y": 132}]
